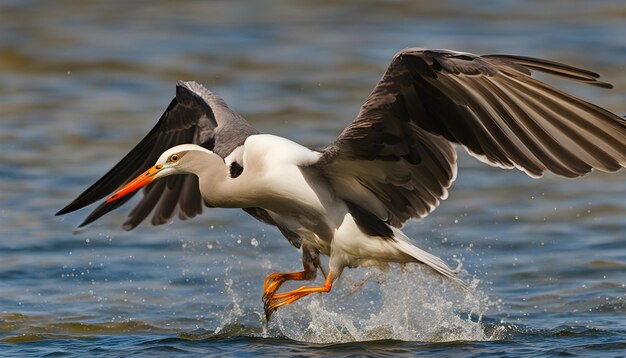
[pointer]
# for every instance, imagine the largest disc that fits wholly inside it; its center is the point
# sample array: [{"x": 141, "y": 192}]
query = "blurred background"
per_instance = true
[{"x": 83, "y": 82}]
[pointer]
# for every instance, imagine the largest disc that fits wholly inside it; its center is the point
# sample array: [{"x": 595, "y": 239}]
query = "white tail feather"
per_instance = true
[{"x": 403, "y": 244}]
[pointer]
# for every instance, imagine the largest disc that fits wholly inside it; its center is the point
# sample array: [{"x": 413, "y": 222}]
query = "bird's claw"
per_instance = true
[
  {"x": 271, "y": 285},
  {"x": 267, "y": 307},
  {"x": 271, "y": 303},
  {"x": 271, "y": 300}
]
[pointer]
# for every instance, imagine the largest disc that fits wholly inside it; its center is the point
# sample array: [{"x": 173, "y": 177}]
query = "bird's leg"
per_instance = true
[
  {"x": 310, "y": 263},
  {"x": 276, "y": 279},
  {"x": 286, "y": 298},
  {"x": 316, "y": 262}
]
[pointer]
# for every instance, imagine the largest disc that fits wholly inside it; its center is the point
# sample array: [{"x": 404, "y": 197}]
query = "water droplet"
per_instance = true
[{"x": 254, "y": 242}]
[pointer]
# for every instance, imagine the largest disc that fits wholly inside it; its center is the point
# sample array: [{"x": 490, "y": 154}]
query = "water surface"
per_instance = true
[{"x": 80, "y": 84}]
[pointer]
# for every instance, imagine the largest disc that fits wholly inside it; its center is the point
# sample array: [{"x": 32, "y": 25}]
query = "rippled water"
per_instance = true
[{"x": 81, "y": 83}]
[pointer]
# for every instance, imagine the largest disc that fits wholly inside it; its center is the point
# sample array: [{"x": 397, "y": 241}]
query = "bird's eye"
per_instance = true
[{"x": 174, "y": 157}]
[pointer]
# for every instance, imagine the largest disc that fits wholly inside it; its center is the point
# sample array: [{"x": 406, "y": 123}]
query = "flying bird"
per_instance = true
[{"x": 394, "y": 162}]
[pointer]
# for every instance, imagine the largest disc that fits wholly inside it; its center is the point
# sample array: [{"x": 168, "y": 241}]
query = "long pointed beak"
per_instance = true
[{"x": 140, "y": 181}]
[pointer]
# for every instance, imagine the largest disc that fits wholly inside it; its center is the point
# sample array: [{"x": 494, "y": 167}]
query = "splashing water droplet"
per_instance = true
[{"x": 410, "y": 306}]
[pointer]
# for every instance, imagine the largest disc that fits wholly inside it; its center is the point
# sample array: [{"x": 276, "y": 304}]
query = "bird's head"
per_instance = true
[{"x": 172, "y": 161}]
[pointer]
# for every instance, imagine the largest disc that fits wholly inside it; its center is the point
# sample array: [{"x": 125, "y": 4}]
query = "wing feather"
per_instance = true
[
  {"x": 195, "y": 116},
  {"x": 397, "y": 159}
]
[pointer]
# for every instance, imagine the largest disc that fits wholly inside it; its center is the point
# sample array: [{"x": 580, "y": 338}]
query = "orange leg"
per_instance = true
[
  {"x": 275, "y": 280},
  {"x": 310, "y": 263},
  {"x": 282, "y": 299}
]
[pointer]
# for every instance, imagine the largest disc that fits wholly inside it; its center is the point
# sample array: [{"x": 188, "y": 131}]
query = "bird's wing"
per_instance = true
[
  {"x": 396, "y": 158},
  {"x": 195, "y": 116}
]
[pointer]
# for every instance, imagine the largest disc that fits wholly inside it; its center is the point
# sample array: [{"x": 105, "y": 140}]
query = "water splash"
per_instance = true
[
  {"x": 231, "y": 315},
  {"x": 409, "y": 306}
]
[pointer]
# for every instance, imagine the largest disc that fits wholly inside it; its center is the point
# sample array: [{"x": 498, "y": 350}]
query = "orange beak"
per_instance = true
[{"x": 144, "y": 179}]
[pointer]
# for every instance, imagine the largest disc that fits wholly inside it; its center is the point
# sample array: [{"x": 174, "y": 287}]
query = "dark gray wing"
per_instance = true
[
  {"x": 195, "y": 116},
  {"x": 396, "y": 158}
]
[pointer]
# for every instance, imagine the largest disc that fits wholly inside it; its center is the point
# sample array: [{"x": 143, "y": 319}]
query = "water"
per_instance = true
[{"x": 80, "y": 84}]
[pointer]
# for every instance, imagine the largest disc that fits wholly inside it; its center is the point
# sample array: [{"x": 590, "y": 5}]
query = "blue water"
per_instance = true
[{"x": 80, "y": 84}]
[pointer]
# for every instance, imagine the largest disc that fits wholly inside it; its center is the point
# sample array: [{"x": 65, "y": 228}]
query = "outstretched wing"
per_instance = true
[
  {"x": 195, "y": 116},
  {"x": 396, "y": 158}
]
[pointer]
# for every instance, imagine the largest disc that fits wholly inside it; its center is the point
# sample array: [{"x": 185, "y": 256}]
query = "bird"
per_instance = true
[{"x": 394, "y": 162}]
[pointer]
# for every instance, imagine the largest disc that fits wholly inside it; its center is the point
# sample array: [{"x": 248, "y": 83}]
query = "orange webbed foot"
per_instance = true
[
  {"x": 275, "y": 280},
  {"x": 282, "y": 299}
]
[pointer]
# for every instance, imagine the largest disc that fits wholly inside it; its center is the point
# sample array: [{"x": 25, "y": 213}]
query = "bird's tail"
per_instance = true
[{"x": 438, "y": 265}]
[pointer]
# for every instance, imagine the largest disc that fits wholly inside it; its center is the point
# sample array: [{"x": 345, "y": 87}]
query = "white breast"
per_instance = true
[
  {"x": 271, "y": 149},
  {"x": 298, "y": 197},
  {"x": 275, "y": 164}
]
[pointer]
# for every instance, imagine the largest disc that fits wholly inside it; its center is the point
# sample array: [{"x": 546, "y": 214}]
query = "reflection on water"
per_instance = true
[{"x": 82, "y": 83}]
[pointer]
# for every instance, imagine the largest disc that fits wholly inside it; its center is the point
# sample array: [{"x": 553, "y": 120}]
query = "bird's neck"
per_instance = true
[{"x": 217, "y": 188}]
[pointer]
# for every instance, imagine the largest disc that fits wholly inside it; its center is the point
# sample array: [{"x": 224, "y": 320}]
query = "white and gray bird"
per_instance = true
[{"x": 394, "y": 162}]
